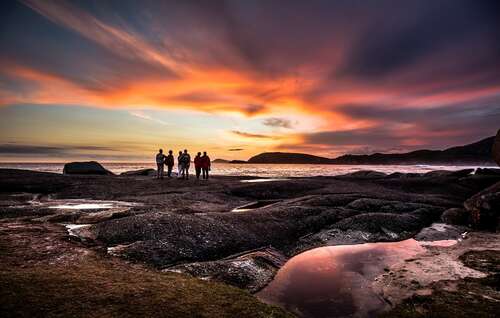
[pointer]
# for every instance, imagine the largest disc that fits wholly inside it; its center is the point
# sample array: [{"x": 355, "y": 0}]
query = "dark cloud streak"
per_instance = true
[
  {"x": 252, "y": 135},
  {"x": 277, "y": 122},
  {"x": 22, "y": 149}
]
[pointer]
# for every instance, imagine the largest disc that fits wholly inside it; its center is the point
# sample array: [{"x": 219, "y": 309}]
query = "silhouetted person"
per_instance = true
[
  {"x": 180, "y": 165},
  {"x": 205, "y": 165},
  {"x": 169, "y": 162},
  {"x": 160, "y": 159},
  {"x": 198, "y": 165},
  {"x": 186, "y": 161}
]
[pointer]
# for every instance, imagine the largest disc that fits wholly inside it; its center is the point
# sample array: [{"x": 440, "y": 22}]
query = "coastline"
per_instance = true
[
  {"x": 188, "y": 227},
  {"x": 259, "y": 169}
]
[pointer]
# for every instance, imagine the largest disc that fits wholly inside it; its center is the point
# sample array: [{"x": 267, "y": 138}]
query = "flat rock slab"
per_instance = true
[
  {"x": 140, "y": 172},
  {"x": 460, "y": 280}
]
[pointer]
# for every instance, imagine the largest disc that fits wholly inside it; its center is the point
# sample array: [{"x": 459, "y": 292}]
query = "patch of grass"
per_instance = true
[{"x": 100, "y": 288}]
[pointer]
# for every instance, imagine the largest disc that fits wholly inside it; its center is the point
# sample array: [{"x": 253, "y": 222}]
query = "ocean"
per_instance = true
[{"x": 260, "y": 170}]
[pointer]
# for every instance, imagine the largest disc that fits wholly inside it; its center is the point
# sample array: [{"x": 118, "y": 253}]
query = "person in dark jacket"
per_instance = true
[
  {"x": 198, "y": 165},
  {"x": 186, "y": 162},
  {"x": 169, "y": 162},
  {"x": 205, "y": 165},
  {"x": 160, "y": 159},
  {"x": 180, "y": 165}
]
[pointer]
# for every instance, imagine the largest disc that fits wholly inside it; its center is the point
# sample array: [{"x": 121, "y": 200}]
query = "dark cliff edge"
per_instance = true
[{"x": 478, "y": 153}]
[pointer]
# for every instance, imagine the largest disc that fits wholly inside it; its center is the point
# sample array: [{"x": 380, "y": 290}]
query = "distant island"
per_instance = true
[
  {"x": 220, "y": 161},
  {"x": 228, "y": 161},
  {"x": 478, "y": 153}
]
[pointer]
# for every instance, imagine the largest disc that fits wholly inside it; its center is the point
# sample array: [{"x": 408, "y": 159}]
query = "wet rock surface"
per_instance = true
[
  {"x": 140, "y": 172},
  {"x": 189, "y": 224}
]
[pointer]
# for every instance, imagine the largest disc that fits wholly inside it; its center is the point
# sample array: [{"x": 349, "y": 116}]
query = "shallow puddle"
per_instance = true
[
  {"x": 254, "y": 205},
  {"x": 264, "y": 180},
  {"x": 83, "y": 204},
  {"x": 336, "y": 281},
  {"x": 72, "y": 227}
]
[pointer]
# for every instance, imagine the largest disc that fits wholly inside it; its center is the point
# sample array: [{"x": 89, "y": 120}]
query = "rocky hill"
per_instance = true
[
  {"x": 478, "y": 153},
  {"x": 288, "y": 157}
]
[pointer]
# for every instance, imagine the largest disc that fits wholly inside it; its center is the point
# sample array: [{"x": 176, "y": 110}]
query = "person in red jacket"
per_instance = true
[
  {"x": 205, "y": 165},
  {"x": 198, "y": 164}
]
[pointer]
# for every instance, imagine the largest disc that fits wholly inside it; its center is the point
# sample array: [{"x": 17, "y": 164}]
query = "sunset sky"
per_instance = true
[{"x": 116, "y": 80}]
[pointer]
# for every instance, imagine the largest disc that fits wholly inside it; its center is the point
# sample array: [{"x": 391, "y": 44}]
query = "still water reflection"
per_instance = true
[{"x": 335, "y": 281}]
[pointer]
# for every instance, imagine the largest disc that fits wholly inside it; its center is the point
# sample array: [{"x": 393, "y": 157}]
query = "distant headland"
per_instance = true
[{"x": 477, "y": 153}]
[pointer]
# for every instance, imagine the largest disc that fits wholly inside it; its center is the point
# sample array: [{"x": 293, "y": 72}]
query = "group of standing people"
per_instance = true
[{"x": 201, "y": 164}]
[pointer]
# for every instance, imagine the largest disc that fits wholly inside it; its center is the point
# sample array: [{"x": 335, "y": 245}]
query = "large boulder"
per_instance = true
[
  {"x": 88, "y": 167},
  {"x": 484, "y": 208},
  {"x": 455, "y": 216},
  {"x": 446, "y": 173},
  {"x": 487, "y": 172},
  {"x": 495, "y": 151},
  {"x": 440, "y": 232},
  {"x": 251, "y": 271},
  {"x": 390, "y": 225}
]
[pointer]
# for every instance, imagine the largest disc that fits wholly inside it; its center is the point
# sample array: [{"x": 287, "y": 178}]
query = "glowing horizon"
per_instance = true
[{"x": 115, "y": 81}]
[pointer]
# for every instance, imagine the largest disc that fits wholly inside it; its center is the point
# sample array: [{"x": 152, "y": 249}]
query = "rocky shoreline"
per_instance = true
[{"x": 192, "y": 227}]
